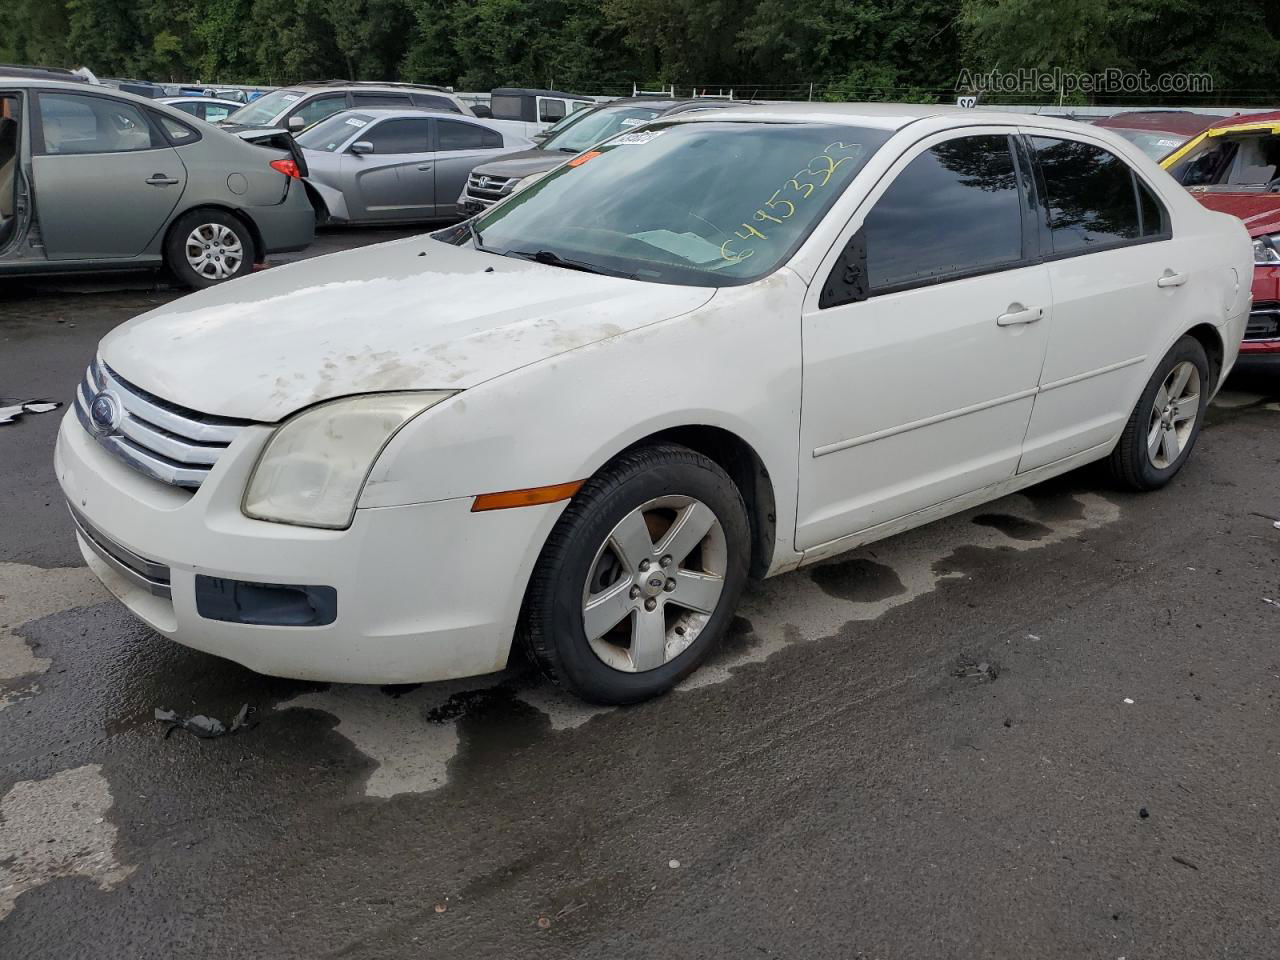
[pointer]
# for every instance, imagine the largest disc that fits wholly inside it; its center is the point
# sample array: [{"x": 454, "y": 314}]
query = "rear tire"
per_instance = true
[
  {"x": 640, "y": 577},
  {"x": 1165, "y": 424},
  {"x": 206, "y": 247}
]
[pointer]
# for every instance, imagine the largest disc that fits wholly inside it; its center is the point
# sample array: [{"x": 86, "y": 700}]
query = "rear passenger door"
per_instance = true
[
  {"x": 460, "y": 148},
  {"x": 1119, "y": 279},
  {"x": 105, "y": 177},
  {"x": 397, "y": 180}
]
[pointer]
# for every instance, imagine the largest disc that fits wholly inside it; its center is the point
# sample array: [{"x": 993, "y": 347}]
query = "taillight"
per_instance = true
[{"x": 287, "y": 166}]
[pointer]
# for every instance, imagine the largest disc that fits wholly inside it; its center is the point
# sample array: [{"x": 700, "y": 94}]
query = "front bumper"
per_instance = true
[{"x": 427, "y": 591}]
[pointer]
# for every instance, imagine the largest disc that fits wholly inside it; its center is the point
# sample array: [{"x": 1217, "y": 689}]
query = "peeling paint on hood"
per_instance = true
[{"x": 407, "y": 315}]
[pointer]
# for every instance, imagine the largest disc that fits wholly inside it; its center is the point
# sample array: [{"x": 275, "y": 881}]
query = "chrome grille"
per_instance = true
[
  {"x": 485, "y": 187},
  {"x": 1264, "y": 322},
  {"x": 160, "y": 439}
]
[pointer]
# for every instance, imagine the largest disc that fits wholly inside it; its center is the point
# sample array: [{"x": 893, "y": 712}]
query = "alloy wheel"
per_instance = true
[
  {"x": 654, "y": 583},
  {"x": 1173, "y": 415}
]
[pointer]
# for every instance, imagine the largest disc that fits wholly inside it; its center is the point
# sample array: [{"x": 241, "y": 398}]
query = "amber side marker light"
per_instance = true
[
  {"x": 583, "y": 158},
  {"x": 525, "y": 498}
]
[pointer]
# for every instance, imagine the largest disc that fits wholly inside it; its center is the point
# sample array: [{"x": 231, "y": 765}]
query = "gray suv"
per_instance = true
[
  {"x": 95, "y": 179},
  {"x": 298, "y": 107}
]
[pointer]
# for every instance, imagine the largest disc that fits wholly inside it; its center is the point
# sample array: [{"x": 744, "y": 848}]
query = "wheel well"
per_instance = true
[
  {"x": 744, "y": 466},
  {"x": 1211, "y": 340},
  {"x": 259, "y": 247}
]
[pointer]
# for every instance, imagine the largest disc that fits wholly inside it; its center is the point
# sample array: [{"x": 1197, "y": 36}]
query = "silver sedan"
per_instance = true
[{"x": 386, "y": 166}]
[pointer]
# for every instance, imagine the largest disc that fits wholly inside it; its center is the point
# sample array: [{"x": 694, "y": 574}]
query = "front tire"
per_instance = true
[
  {"x": 207, "y": 247},
  {"x": 640, "y": 577},
  {"x": 1166, "y": 422}
]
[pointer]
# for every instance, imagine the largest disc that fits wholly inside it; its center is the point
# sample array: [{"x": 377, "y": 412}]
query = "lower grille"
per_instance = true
[
  {"x": 1264, "y": 322},
  {"x": 160, "y": 439},
  {"x": 151, "y": 576}
]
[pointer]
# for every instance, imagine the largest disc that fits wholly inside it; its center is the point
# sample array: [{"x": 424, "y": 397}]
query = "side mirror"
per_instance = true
[
  {"x": 296, "y": 124},
  {"x": 361, "y": 147},
  {"x": 481, "y": 111}
]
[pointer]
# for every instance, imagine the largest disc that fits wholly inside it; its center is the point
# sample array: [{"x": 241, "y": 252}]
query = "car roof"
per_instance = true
[
  {"x": 356, "y": 85},
  {"x": 1246, "y": 120},
  {"x": 1169, "y": 121},
  {"x": 388, "y": 113},
  {"x": 883, "y": 116},
  {"x": 533, "y": 92},
  {"x": 197, "y": 98}
]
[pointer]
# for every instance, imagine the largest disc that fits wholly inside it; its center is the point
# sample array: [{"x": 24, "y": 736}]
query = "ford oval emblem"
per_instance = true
[{"x": 104, "y": 412}]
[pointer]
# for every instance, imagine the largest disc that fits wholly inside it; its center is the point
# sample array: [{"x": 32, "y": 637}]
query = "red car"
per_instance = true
[
  {"x": 1157, "y": 133},
  {"x": 1234, "y": 167}
]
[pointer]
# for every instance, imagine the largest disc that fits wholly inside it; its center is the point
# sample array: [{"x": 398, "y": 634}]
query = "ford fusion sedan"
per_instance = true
[
  {"x": 723, "y": 346},
  {"x": 388, "y": 166}
]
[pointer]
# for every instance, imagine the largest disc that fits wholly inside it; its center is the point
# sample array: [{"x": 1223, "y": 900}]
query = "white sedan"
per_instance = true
[{"x": 722, "y": 346}]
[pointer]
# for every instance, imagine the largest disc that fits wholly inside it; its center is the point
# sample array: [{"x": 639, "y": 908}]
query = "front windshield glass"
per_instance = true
[
  {"x": 596, "y": 126},
  {"x": 712, "y": 203},
  {"x": 266, "y": 109},
  {"x": 331, "y": 133},
  {"x": 1154, "y": 143}
]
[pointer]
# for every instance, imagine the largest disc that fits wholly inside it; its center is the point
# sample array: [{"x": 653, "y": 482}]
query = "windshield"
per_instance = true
[
  {"x": 266, "y": 109},
  {"x": 712, "y": 203},
  {"x": 1154, "y": 143},
  {"x": 330, "y": 134},
  {"x": 1242, "y": 161},
  {"x": 596, "y": 126}
]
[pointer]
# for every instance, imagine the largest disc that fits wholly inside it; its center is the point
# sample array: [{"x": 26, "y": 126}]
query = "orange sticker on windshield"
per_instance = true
[{"x": 583, "y": 158}]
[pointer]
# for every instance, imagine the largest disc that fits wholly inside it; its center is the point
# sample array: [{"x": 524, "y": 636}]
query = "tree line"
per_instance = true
[{"x": 847, "y": 49}]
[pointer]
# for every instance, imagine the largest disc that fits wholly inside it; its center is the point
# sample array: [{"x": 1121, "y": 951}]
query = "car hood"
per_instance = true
[
  {"x": 1259, "y": 211},
  {"x": 407, "y": 315},
  {"x": 523, "y": 164}
]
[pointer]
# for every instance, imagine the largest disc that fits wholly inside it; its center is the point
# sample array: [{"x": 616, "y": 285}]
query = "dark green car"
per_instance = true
[{"x": 95, "y": 179}]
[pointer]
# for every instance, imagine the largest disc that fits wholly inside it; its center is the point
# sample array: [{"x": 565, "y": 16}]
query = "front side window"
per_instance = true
[
  {"x": 75, "y": 124},
  {"x": 710, "y": 203},
  {"x": 955, "y": 210},
  {"x": 1090, "y": 193},
  {"x": 330, "y": 134},
  {"x": 400, "y": 136},
  {"x": 266, "y": 108},
  {"x": 317, "y": 109},
  {"x": 368, "y": 100},
  {"x": 598, "y": 125},
  {"x": 433, "y": 102}
]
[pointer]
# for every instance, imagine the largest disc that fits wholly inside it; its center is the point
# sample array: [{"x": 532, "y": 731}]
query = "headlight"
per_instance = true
[
  {"x": 315, "y": 464},
  {"x": 1264, "y": 250}
]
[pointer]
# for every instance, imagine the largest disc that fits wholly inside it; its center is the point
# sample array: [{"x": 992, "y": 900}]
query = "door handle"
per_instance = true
[
  {"x": 1171, "y": 279},
  {"x": 1019, "y": 314},
  {"x": 424, "y": 166},
  {"x": 160, "y": 180}
]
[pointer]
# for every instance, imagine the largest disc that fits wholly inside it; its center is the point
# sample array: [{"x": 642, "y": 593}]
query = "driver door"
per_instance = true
[{"x": 397, "y": 180}]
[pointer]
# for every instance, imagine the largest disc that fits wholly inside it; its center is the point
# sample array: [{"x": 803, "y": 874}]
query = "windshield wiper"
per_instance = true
[
  {"x": 475, "y": 235},
  {"x": 553, "y": 259}
]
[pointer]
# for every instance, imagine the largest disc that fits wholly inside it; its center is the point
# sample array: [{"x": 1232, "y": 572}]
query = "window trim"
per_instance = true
[
  {"x": 1030, "y": 252},
  {"x": 1052, "y": 256},
  {"x": 38, "y": 148}
]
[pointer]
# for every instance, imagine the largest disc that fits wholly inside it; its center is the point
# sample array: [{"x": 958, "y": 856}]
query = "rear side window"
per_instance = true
[
  {"x": 177, "y": 132},
  {"x": 432, "y": 102},
  {"x": 76, "y": 124},
  {"x": 367, "y": 100},
  {"x": 954, "y": 210},
  {"x": 1151, "y": 212},
  {"x": 400, "y": 136},
  {"x": 1091, "y": 195},
  {"x": 549, "y": 111},
  {"x": 456, "y": 135},
  {"x": 506, "y": 107}
]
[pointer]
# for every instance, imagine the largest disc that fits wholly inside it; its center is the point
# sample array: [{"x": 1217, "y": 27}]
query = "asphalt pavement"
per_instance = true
[{"x": 1043, "y": 728}]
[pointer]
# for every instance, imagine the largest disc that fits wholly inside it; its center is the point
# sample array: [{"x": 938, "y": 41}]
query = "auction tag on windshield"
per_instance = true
[
  {"x": 290, "y": 97},
  {"x": 635, "y": 139},
  {"x": 631, "y": 123},
  {"x": 355, "y": 122}
]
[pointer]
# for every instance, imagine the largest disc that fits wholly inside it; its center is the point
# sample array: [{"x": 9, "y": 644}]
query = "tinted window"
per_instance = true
[
  {"x": 76, "y": 124},
  {"x": 381, "y": 99},
  {"x": 955, "y": 209},
  {"x": 1090, "y": 195},
  {"x": 435, "y": 103},
  {"x": 317, "y": 109},
  {"x": 400, "y": 136},
  {"x": 549, "y": 111},
  {"x": 455, "y": 135}
]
